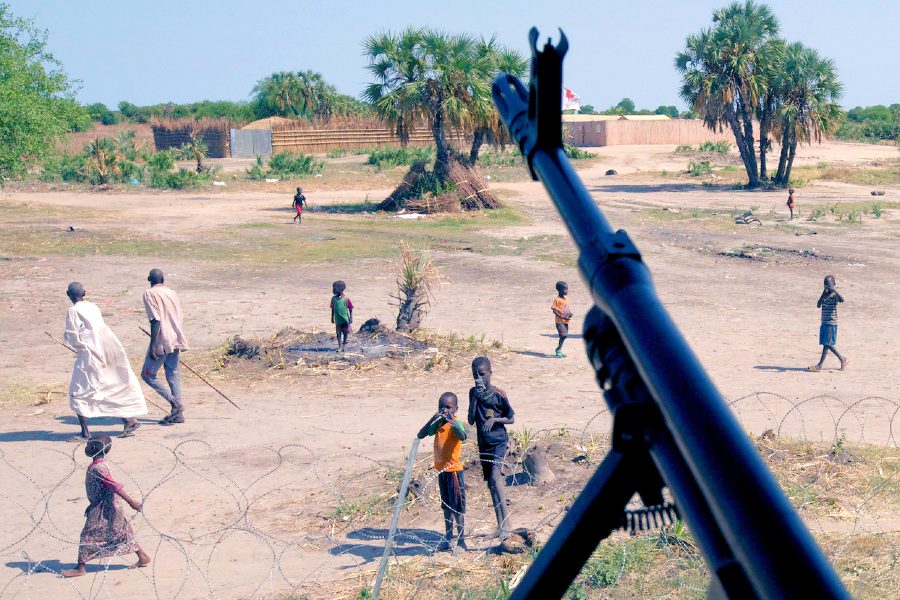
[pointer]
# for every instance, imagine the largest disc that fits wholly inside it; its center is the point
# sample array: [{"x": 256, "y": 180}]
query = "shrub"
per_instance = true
[
  {"x": 575, "y": 153},
  {"x": 66, "y": 167},
  {"x": 500, "y": 159},
  {"x": 285, "y": 164},
  {"x": 684, "y": 149},
  {"x": 258, "y": 171},
  {"x": 721, "y": 147},
  {"x": 337, "y": 153},
  {"x": 395, "y": 157},
  {"x": 699, "y": 168},
  {"x": 815, "y": 214},
  {"x": 876, "y": 209},
  {"x": 177, "y": 180}
]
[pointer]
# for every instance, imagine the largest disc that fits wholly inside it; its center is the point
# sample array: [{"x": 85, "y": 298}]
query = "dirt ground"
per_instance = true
[{"x": 260, "y": 494}]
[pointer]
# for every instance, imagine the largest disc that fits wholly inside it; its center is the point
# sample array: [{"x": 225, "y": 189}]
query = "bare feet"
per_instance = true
[
  {"x": 814, "y": 368},
  {"x": 74, "y": 572},
  {"x": 844, "y": 363},
  {"x": 143, "y": 560}
]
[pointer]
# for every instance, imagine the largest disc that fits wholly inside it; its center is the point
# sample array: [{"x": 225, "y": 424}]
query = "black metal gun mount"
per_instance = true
[{"x": 671, "y": 428}]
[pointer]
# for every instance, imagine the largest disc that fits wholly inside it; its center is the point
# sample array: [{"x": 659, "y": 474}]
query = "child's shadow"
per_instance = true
[
  {"x": 534, "y": 354},
  {"x": 778, "y": 369},
  {"x": 54, "y": 566},
  {"x": 571, "y": 336},
  {"x": 407, "y": 542}
]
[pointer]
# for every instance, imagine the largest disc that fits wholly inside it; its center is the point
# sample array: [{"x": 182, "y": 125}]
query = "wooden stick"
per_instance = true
[
  {"x": 73, "y": 351},
  {"x": 203, "y": 379}
]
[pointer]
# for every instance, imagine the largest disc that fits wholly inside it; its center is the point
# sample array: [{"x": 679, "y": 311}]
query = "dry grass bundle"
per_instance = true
[{"x": 420, "y": 191}]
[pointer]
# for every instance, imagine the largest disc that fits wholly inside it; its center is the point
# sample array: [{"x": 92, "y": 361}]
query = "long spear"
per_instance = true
[
  {"x": 72, "y": 350},
  {"x": 203, "y": 379}
]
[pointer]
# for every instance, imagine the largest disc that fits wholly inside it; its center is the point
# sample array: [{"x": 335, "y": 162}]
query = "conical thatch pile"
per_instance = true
[{"x": 467, "y": 191}]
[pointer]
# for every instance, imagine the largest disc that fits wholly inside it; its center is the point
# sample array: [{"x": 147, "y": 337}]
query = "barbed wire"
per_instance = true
[{"x": 286, "y": 521}]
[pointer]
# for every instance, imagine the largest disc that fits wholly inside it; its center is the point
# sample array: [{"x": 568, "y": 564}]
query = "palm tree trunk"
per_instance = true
[
  {"x": 747, "y": 155},
  {"x": 477, "y": 141},
  {"x": 790, "y": 163},
  {"x": 750, "y": 160},
  {"x": 764, "y": 143},
  {"x": 442, "y": 156},
  {"x": 782, "y": 159}
]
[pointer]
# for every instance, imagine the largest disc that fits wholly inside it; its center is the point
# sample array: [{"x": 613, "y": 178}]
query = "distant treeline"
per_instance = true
[
  {"x": 626, "y": 106},
  {"x": 871, "y": 124}
]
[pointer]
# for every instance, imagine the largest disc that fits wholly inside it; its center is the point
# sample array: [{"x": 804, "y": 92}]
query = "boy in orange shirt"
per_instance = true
[
  {"x": 449, "y": 434},
  {"x": 562, "y": 315}
]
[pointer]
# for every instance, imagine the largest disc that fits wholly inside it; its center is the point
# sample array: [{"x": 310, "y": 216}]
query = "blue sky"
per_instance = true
[{"x": 181, "y": 51}]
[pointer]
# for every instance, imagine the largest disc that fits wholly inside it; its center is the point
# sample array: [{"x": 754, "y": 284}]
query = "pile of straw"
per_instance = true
[{"x": 470, "y": 191}]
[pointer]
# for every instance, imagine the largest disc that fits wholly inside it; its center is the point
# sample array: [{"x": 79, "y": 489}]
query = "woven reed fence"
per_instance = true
[
  {"x": 314, "y": 141},
  {"x": 175, "y": 132},
  {"x": 618, "y": 133}
]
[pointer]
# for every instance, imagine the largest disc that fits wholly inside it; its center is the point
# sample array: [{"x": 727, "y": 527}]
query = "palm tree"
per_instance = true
[
  {"x": 103, "y": 161},
  {"x": 722, "y": 73},
  {"x": 196, "y": 149},
  {"x": 488, "y": 125},
  {"x": 304, "y": 94},
  {"x": 424, "y": 76},
  {"x": 809, "y": 109}
]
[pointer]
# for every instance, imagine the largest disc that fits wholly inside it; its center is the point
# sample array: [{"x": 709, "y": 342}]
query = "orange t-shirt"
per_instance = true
[
  {"x": 447, "y": 449},
  {"x": 561, "y": 305}
]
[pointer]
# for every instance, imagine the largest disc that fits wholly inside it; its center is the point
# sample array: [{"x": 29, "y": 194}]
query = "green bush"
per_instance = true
[
  {"x": 286, "y": 164},
  {"x": 717, "y": 147},
  {"x": 178, "y": 180},
  {"x": 699, "y": 168},
  {"x": 258, "y": 171},
  {"x": 576, "y": 153},
  {"x": 66, "y": 167},
  {"x": 395, "y": 157},
  {"x": 500, "y": 159},
  {"x": 684, "y": 149},
  {"x": 876, "y": 209}
]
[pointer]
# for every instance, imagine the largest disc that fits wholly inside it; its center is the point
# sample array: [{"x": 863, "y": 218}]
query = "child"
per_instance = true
[
  {"x": 562, "y": 314},
  {"x": 490, "y": 412},
  {"x": 449, "y": 434},
  {"x": 299, "y": 201},
  {"x": 828, "y": 301},
  {"x": 790, "y": 202},
  {"x": 106, "y": 531},
  {"x": 341, "y": 313}
]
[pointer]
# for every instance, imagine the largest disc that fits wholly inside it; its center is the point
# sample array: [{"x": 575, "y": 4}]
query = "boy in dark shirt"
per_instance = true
[
  {"x": 299, "y": 201},
  {"x": 790, "y": 202},
  {"x": 449, "y": 434},
  {"x": 490, "y": 412},
  {"x": 341, "y": 313},
  {"x": 828, "y": 302}
]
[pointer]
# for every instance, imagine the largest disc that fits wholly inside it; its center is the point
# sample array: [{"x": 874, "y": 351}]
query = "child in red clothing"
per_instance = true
[
  {"x": 449, "y": 434},
  {"x": 790, "y": 202}
]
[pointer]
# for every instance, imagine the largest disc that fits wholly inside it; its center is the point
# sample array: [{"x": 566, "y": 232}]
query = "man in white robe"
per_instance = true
[{"x": 103, "y": 384}]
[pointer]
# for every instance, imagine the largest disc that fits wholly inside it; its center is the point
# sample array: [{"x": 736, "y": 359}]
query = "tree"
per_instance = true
[
  {"x": 489, "y": 127},
  {"x": 809, "y": 108},
  {"x": 103, "y": 161},
  {"x": 428, "y": 76},
  {"x": 723, "y": 73},
  {"x": 587, "y": 109},
  {"x": 669, "y": 111},
  {"x": 626, "y": 105},
  {"x": 304, "y": 94},
  {"x": 37, "y": 103},
  {"x": 196, "y": 150}
]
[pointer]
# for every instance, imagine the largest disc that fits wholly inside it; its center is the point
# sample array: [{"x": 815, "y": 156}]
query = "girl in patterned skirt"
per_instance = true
[{"x": 106, "y": 531}]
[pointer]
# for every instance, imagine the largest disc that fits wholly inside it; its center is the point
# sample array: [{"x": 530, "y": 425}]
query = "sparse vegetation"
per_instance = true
[
  {"x": 701, "y": 168},
  {"x": 386, "y": 158}
]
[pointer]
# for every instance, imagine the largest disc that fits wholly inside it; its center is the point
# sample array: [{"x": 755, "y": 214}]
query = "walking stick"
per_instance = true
[
  {"x": 72, "y": 350},
  {"x": 202, "y": 378}
]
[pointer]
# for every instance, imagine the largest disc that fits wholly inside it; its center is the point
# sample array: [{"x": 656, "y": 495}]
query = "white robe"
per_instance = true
[{"x": 103, "y": 384}]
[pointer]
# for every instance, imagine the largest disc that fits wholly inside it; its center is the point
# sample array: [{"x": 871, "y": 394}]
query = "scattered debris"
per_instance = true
[
  {"x": 747, "y": 218},
  {"x": 219, "y": 183},
  {"x": 372, "y": 325},
  {"x": 877, "y": 192},
  {"x": 72, "y": 228},
  {"x": 612, "y": 172},
  {"x": 518, "y": 541}
]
